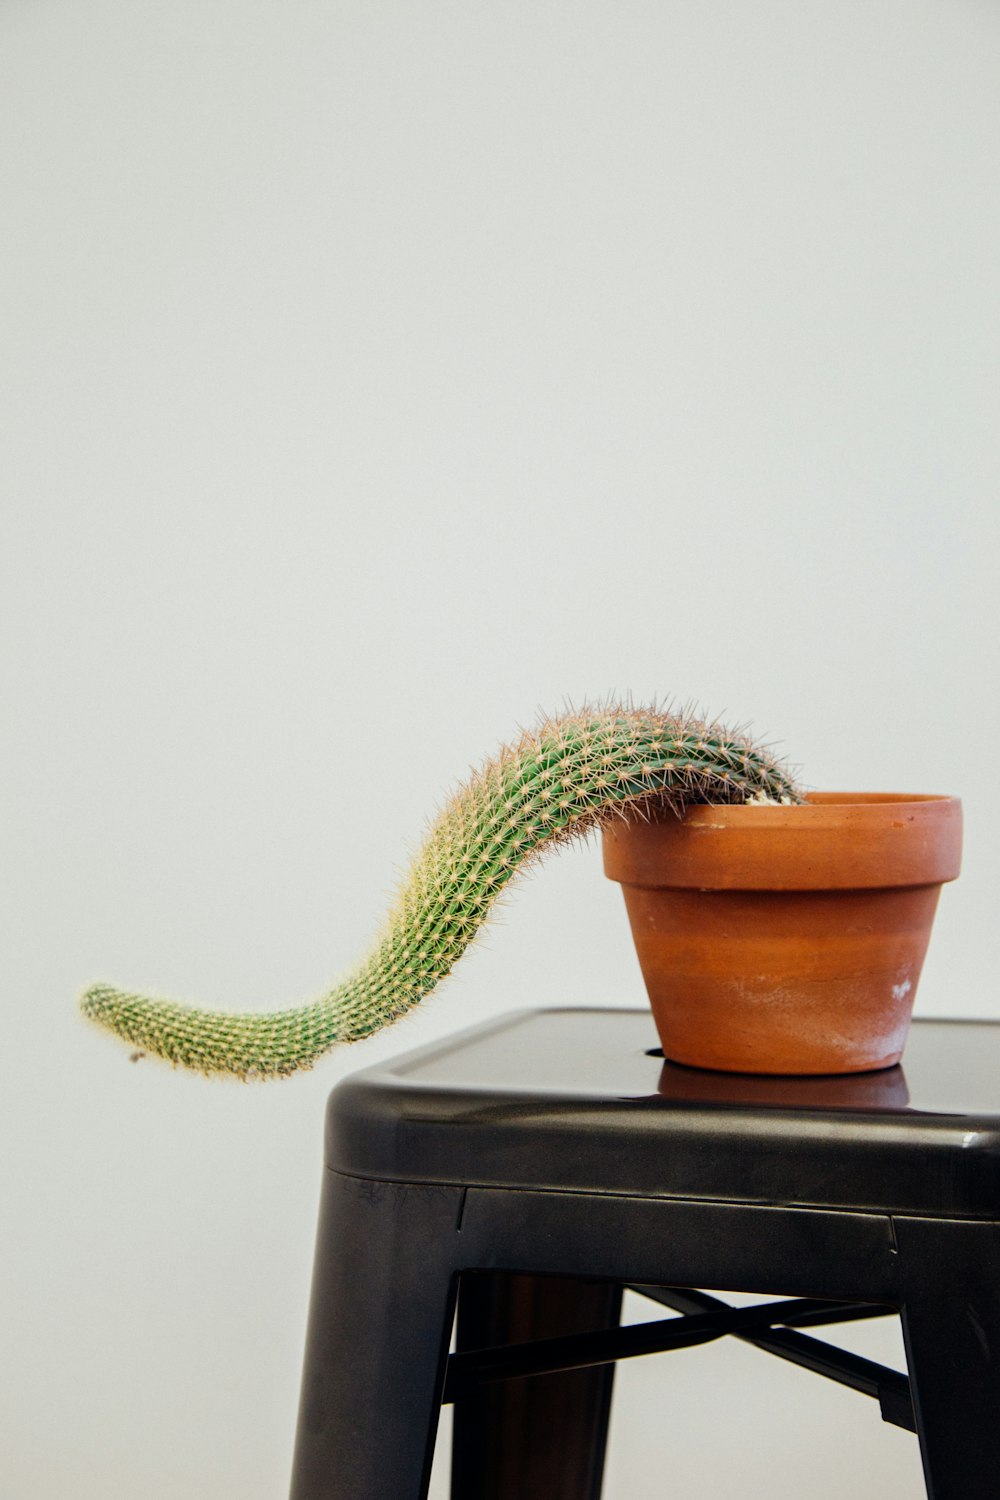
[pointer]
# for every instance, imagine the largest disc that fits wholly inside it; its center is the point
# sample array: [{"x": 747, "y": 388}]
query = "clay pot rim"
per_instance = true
[
  {"x": 818, "y": 808},
  {"x": 834, "y": 841}
]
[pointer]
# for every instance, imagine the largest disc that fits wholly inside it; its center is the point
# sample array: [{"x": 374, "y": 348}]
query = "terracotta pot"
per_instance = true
[{"x": 786, "y": 939}]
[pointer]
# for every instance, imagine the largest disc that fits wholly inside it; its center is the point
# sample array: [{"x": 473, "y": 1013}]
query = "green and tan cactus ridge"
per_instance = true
[{"x": 554, "y": 784}]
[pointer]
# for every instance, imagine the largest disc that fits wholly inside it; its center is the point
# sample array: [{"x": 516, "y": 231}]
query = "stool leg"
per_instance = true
[
  {"x": 951, "y": 1328},
  {"x": 379, "y": 1327},
  {"x": 542, "y": 1435}
]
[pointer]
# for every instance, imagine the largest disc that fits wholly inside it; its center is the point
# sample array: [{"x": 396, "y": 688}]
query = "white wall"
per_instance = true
[{"x": 375, "y": 375}]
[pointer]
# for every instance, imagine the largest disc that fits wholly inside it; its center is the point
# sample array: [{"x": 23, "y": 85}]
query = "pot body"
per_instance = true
[{"x": 786, "y": 939}]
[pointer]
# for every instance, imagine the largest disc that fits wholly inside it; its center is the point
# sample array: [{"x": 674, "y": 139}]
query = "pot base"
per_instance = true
[{"x": 760, "y": 1072}]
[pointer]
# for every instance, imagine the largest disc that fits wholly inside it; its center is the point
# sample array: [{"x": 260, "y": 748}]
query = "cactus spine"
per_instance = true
[{"x": 555, "y": 784}]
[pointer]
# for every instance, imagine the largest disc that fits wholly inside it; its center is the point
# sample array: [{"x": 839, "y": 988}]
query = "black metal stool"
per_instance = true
[{"x": 537, "y": 1166}]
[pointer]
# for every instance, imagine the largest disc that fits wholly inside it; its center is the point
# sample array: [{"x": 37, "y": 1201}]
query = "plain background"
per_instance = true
[{"x": 376, "y": 375}]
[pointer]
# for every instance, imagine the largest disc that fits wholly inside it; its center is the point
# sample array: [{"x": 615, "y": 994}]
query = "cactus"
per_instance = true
[{"x": 555, "y": 784}]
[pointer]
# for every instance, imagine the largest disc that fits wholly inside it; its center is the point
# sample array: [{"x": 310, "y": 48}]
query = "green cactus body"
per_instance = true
[{"x": 555, "y": 784}]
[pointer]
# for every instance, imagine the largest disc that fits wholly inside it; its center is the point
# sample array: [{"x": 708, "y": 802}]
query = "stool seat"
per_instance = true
[
  {"x": 582, "y": 1099},
  {"x": 532, "y": 1168}
]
